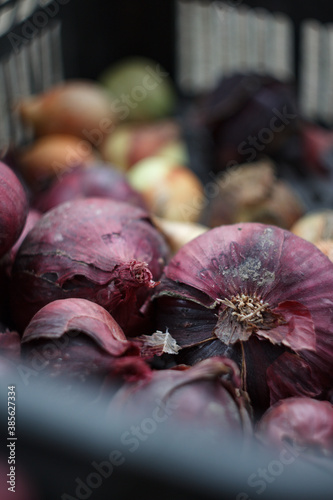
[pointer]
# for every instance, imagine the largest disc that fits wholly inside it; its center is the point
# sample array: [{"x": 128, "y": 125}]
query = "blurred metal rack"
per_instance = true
[
  {"x": 30, "y": 59},
  {"x": 217, "y": 38}
]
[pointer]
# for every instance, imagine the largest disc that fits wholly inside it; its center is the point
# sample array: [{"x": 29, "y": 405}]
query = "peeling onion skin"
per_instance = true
[
  {"x": 13, "y": 208},
  {"x": 289, "y": 282},
  {"x": 207, "y": 395},
  {"x": 94, "y": 248},
  {"x": 305, "y": 424},
  {"x": 78, "y": 339}
]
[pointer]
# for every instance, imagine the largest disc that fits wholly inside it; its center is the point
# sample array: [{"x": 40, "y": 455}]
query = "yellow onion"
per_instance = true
[
  {"x": 315, "y": 225},
  {"x": 130, "y": 143},
  {"x": 326, "y": 246},
  {"x": 49, "y": 157},
  {"x": 178, "y": 233},
  {"x": 252, "y": 193},
  {"x": 76, "y": 107},
  {"x": 171, "y": 190}
]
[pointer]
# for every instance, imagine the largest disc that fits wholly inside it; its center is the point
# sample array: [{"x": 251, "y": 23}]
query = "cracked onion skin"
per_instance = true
[
  {"x": 259, "y": 295},
  {"x": 98, "y": 249},
  {"x": 13, "y": 208}
]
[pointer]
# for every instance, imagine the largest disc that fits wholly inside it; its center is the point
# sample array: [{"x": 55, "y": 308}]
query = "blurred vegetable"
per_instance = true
[
  {"x": 75, "y": 107},
  {"x": 49, "y": 157},
  {"x": 252, "y": 193},
  {"x": 247, "y": 115},
  {"x": 304, "y": 425},
  {"x": 314, "y": 226},
  {"x": 102, "y": 180},
  {"x": 170, "y": 190},
  {"x": 130, "y": 143},
  {"x": 178, "y": 233},
  {"x": 141, "y": 89},
  {"x": 207, "y": 395}
]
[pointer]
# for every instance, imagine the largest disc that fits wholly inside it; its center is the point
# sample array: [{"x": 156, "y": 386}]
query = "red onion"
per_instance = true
[
  {"x": 317, "y": 142},
  {"x": 246, "y": 115},
  {"x": 13, "y": 208},
  {"x": 305, "y": 424},
  {"x": 103, "y": 180},
  {"x": 259, "y": 295},
  {"x": 207, "y": 395},
  {"x": 7, "y": 261},
  {"x": 32, "y": 218},
  {"x": 10, "y": 344},
  {"x": 94, "y": 248},
  {"x": 77, "y": 338}
]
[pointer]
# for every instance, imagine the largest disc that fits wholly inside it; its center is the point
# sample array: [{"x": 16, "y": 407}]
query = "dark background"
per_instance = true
[{"x": 97, "y": 33}]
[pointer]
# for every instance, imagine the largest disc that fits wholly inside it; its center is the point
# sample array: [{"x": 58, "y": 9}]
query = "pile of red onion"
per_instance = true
[{"x": 231, "y": 332}]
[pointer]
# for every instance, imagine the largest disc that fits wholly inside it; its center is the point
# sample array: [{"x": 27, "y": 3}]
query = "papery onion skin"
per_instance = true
[
  {"x": 75, "y": 107},
  {"x": 102, "y": 180},
  {"x": 78, "y": 339},
  {"x": 305, "y": 423},
  {"x": 49, "y": 157},
  {"x": 13, "y": 208},
  {"x": 294, "y": 340},
  {"x": 207, "y": 395},
  {"x": 94, "y": 248}
]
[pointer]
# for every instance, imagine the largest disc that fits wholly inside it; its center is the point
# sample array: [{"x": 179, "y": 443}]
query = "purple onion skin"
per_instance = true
[
  {"x": 207, "y": 395},
  {"x": 239, "y": 108},
  {"x": 292, "y": 340},
  {"x": 13, "y": 208},
  {"x": 98, "y": 249},
  {"x": 76, "y": 339},
  {"x": 302, "y": 424},
  {"x": 33, "y": 217},
  {"x": 101, "y": 180}
]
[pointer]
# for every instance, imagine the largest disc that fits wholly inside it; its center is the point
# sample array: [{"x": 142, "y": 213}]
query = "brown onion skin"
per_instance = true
[
  {"x": 76, "y": 107},
  {"x": 94, "y": 248},
  {"x": 207, "y": 395},
  {"x": 288, "y": 273},
  {"x": 303, "y": 423},
  {"x": 101, "y": 180},
  {"x": 13, "y": 208}
]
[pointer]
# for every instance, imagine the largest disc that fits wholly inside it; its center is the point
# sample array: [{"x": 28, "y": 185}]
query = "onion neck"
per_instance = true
[{"x": 136, "y": 274}]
